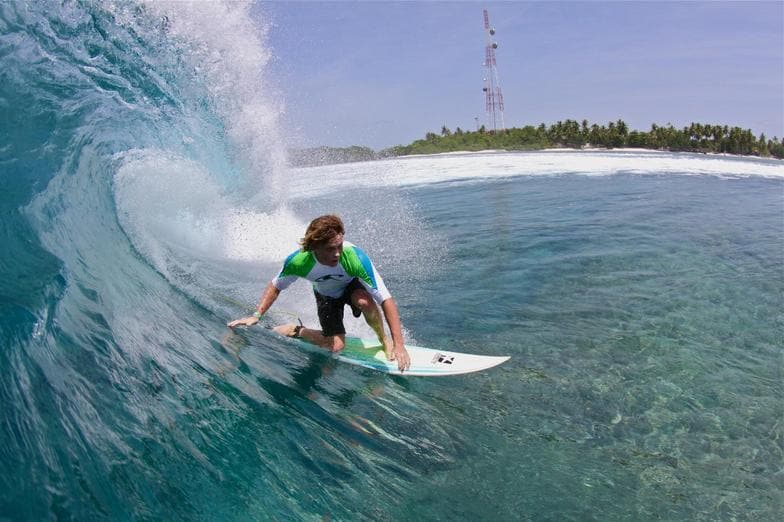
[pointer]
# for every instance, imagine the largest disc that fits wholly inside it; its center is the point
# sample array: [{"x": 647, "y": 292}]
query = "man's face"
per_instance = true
[{"x": 329, "y": 253}]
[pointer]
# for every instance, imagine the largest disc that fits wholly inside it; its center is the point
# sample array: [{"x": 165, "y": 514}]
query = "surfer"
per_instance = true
[{"x": 341, "y": 274}]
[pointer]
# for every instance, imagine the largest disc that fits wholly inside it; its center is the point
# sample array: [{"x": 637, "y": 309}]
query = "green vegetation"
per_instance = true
[
  {"x": 564, "y": 134},
  {"x": 571, "y": 134}
]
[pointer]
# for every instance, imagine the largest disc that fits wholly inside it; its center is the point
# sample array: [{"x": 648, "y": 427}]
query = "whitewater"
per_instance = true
[{"x": 146, "y": 200}]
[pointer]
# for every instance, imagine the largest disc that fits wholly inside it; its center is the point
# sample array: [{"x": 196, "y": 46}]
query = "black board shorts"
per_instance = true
[{"x": 330, "y": 310}]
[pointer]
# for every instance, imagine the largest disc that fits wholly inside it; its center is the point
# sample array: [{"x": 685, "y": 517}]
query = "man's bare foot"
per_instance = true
[{"x": 286, "y": 330}]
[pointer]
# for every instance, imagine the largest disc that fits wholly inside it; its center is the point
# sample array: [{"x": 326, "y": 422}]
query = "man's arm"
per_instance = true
[
  {"x": 270, "y": 295},
  {"x": 393, "y": 320}
]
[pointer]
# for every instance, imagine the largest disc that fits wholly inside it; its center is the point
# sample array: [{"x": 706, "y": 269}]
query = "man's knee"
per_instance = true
[
  {"x": 334, "y": 343},
  {"x": 362, "y": 300}
]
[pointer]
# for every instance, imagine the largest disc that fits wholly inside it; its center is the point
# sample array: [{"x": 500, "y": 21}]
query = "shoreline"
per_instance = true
[
  {"x": 339, "y": 156},
  {"x": 637, "y": 150}
]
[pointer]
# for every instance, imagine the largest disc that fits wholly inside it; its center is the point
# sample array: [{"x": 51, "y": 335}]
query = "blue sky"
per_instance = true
[{"x": 384, "y": 73}]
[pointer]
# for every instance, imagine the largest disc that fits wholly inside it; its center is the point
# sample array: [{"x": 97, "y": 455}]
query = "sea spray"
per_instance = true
[{"x": 225, "y": 47}]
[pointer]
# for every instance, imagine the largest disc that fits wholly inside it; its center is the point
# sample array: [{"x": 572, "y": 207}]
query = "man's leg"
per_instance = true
[
  {"x": 332, "y": 335},
  {"x": 361, "y": 299},
  {"x": 333, "y": 343}
]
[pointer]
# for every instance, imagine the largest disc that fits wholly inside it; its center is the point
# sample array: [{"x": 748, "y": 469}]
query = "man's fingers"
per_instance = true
[{"x": 237, "y": 322}]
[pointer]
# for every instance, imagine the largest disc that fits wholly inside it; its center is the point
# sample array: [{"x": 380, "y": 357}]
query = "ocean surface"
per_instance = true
[{"x": 146, "y": 201}]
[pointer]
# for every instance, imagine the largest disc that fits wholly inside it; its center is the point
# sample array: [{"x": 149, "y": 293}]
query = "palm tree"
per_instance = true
[{"x": 763, "y": 145}]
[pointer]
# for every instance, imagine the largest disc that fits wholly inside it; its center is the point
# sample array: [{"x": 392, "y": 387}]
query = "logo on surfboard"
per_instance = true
[{"x": 443, "y": 359}]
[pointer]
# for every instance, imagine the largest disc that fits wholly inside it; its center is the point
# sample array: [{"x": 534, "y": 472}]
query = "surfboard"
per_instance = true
[{"x": 425, "y": 362}]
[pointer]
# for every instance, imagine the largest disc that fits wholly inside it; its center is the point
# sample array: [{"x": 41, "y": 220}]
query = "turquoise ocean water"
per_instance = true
[{"x": 640, "y": 295}]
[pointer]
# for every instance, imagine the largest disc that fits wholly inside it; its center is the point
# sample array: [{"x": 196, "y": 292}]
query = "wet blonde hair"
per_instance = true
[{"x": 321, "y": 230}]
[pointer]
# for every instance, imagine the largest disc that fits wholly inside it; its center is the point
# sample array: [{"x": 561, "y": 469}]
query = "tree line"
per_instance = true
[{"x": 696, "y": 137}]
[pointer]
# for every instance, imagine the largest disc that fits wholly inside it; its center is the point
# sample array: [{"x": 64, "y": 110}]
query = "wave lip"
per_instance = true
[{"x": 225, "y": 47}]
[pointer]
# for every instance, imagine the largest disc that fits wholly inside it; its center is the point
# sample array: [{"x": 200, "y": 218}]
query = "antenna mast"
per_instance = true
[{"x": 494, "y": 100}]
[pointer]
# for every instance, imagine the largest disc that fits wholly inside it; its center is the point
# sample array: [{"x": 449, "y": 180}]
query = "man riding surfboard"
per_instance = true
[{"x": 341, "y": 274}]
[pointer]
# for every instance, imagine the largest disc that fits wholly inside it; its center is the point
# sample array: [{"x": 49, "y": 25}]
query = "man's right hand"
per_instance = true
[{"x": 245, "y": 321}]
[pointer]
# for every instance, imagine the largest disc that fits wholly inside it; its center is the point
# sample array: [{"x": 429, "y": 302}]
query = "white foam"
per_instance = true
[
  {"x": 413, "y": 170},
  {"x": 170, "y": 207}
]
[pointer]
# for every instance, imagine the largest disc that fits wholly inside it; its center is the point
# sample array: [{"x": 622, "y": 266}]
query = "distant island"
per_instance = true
[{"x": 701, "y": 138}]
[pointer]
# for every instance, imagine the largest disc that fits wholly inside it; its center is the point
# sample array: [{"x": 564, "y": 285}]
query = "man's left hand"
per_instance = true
[{"x": 400, "y": 354}]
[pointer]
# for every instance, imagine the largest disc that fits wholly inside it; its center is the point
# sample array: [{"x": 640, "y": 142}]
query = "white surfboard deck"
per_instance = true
[{"x": 425, "y": 362}]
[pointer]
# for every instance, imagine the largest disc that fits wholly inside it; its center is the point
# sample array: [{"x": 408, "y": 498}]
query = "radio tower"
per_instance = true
[{"x": 494, "y": 100}]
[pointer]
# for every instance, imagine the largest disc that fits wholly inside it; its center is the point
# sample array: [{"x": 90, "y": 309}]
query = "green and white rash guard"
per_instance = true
[{"x": 332, "y": 281}]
